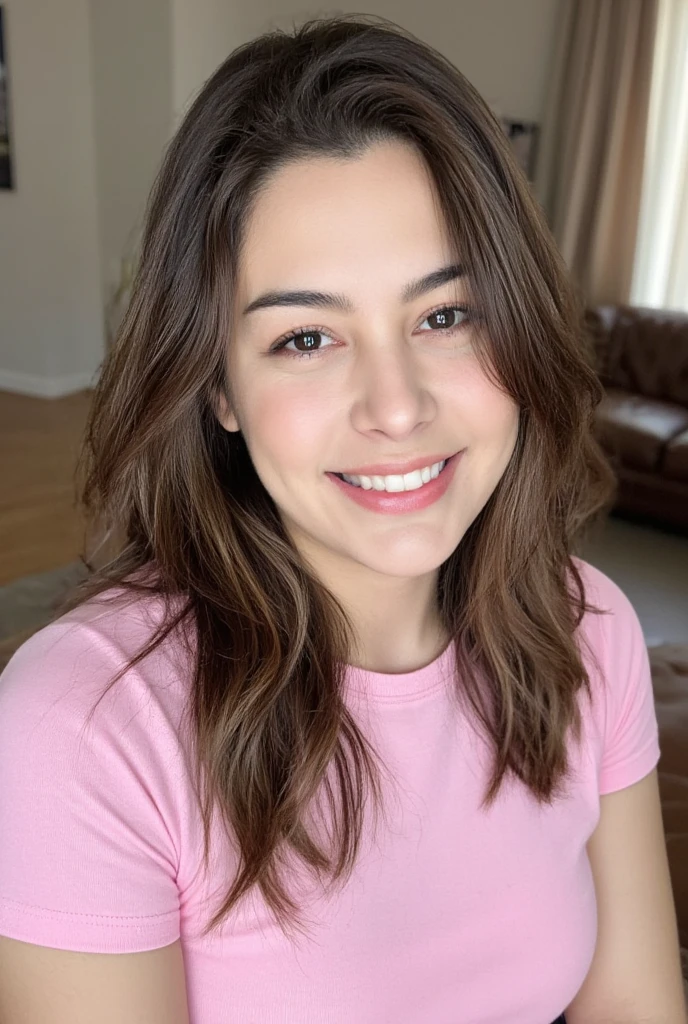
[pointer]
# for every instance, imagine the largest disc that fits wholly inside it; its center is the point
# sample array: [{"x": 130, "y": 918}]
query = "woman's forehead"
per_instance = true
[{"x": 326, "y": 222}]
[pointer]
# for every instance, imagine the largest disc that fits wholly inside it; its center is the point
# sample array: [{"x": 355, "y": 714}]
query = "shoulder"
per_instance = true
[
  {"x": 616, "y": 657},
  {"x": 610, "y": 634},
  {"x": 96, "y": 772},
  {"x": 611, "y": 621},
  {"x": 62, "y": 670},
  {"x": 601, "y": 589}
]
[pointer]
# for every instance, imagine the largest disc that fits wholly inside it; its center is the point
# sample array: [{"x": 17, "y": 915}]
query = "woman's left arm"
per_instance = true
[{"x": 635, "y": 976}]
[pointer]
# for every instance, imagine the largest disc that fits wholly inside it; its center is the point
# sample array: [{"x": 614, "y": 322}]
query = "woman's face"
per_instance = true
[{"x": 379, "y": 377}]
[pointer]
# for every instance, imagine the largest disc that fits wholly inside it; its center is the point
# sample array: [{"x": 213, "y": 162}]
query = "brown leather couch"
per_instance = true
[{"x": 642, "y": 422}]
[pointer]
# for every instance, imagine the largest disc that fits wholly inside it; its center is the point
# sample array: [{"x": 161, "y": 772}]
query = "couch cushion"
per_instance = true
[
  {"x": 636, "y": 429},
  {"x": 675, "y": 461},
  {"x": 642, "y": 350},
  {"x": 670, "y": 684}
]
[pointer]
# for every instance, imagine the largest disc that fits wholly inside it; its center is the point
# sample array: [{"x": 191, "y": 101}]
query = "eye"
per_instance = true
[
  {"x": 448, "y": 318},
  {"x": 308, "y": 337}
]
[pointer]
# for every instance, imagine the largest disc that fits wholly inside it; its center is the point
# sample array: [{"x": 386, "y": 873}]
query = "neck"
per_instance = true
[{"x": 396, "y": 619}]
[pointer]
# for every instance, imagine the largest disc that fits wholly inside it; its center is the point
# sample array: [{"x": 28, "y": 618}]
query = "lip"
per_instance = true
[
  {"x": 396, "y": 468},
  {"x": 400, "y": 502}
]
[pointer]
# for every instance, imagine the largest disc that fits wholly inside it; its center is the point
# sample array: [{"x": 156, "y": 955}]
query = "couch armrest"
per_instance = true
[{"x": 598, "y": 324}]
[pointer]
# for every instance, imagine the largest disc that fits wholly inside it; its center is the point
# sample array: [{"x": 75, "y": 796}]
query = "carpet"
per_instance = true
[{"x": 29, "y": 603}]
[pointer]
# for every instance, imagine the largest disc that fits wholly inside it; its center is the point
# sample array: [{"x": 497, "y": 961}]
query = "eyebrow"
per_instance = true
[{"x": 331, "y": 300}]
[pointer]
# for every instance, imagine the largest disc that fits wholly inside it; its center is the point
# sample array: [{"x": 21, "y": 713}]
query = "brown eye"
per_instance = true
[
  {"x": 446, "y": 318},
  {"x": 307, "y": 342},
  {"x": 442, "y": 319}
]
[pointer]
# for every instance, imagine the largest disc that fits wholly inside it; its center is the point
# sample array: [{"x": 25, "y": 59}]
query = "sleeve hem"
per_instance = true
[
  {"x": 87, "y": 933},
  {"x": 629, "y": 774}
]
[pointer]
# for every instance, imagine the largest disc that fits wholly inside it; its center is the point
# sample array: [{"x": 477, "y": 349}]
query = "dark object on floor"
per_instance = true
[
  {"x": 642, "y": 422},
  {"x": 670, "y": 681}
]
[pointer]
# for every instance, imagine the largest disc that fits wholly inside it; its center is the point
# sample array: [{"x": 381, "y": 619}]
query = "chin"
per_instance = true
[{"x": 404, "y": 564}]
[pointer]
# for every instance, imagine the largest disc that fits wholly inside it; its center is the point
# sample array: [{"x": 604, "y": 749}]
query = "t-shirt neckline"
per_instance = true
[{"x": 404, "y": 686}]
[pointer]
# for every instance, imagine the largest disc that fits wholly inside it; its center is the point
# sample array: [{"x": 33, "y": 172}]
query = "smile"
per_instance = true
[
  {"x": 403, "y": 494},
  {"x": 395, "y": 483}
]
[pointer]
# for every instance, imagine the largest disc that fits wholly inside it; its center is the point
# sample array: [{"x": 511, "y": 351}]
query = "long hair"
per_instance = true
[{"x": 189, "y": 521}]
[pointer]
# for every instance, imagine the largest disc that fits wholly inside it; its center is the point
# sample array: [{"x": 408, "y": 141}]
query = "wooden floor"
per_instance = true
[{"x": 40, "y": 438}]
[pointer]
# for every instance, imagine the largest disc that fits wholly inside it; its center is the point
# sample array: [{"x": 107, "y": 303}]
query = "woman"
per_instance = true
[{"x": 344, "y": 440}]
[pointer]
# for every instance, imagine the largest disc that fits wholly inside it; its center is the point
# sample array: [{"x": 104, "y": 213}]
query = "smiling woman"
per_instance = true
[
  {"x": 343, "y": 448},
  {"x": 392, "y": 373}
]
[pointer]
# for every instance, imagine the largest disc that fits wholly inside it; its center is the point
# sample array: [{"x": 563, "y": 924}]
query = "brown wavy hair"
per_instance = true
[{"x": 187, "y": 518}]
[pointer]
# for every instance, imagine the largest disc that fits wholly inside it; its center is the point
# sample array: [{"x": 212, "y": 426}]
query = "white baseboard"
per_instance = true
[{"x": 46, "y": 387}]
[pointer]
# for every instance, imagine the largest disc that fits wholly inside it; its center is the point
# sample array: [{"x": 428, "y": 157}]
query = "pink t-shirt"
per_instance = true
[{"x": 454, "y": 915}]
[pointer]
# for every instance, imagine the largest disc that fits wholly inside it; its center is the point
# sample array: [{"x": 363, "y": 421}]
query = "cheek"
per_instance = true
[
  {"x": 290, "y": 424},
  {"x": 491, "y": 420},
  {"x": 501, "y": 420},
  {"x": 489, "y": 416}
]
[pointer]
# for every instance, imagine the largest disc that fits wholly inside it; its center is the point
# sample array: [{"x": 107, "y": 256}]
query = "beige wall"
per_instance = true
[
  {"x": 203, "y": 33},
  {"x": 502, "y": 46},
  {"x": 50, "y": 304},
  {"x": 132, "y": 83}
]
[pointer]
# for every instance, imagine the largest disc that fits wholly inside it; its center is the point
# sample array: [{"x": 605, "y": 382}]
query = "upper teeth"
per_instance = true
[{"x": 407, "y": 482}]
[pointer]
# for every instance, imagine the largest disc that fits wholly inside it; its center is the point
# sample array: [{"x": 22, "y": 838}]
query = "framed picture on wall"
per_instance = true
[
  {"x": 5, "y": 154},
  {"x": 523, "y": 136}
]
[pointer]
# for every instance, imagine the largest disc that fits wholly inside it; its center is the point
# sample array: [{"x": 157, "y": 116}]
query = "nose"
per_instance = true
[{"x": 391, "y": 395}]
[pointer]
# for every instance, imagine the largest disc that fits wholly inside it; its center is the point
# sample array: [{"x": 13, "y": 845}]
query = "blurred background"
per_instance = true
[{"x": 594, "y": 97}]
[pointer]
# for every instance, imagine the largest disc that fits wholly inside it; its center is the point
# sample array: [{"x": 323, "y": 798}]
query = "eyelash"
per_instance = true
[{"x": 279, "y": 345}]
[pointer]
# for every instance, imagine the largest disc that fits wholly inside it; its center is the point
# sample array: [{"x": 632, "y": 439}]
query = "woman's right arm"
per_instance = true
[
  {"x": 90, "y": 849},
  {"x": 42, "y": 985}
]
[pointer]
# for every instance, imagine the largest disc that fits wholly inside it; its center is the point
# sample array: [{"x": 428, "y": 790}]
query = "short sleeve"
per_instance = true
[
  {"x": 87, "y": 860},
  {"x": 631, "y": 736}
]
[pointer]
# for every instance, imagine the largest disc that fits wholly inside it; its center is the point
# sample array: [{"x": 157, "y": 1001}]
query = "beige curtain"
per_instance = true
[
  {"x": 592, "y": 145},
  {"x": 660, "y": 277}
]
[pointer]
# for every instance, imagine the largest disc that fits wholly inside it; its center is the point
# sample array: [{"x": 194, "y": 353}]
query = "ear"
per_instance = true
[{"x": 224, "y": 413}]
